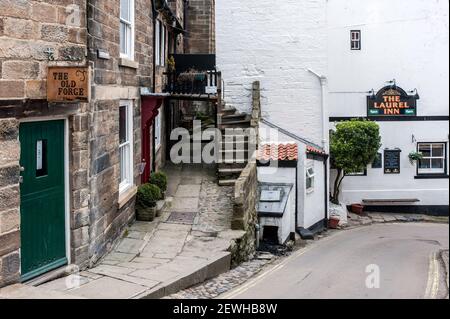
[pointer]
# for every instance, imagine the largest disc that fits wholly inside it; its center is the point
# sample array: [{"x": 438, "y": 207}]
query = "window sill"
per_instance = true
[
  {"x": 126, "y": 196},
  {"x": 431, "y": 176},
  {"x": 127, "y": 63}
]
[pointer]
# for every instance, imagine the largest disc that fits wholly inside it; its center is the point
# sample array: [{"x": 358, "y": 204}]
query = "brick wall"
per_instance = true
[{"x": 200, "y": 25}]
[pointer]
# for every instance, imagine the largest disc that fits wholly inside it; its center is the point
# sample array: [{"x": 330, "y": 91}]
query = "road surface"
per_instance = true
[{"x": 376, "y": 262}]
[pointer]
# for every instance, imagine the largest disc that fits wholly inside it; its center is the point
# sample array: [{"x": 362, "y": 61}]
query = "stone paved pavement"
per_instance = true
[
  {"x": 162, "y": 257},
  {"x": 227, "y": 281}
]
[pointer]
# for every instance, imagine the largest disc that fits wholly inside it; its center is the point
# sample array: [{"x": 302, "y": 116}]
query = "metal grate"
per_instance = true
[{"x": 186, "y": 218}]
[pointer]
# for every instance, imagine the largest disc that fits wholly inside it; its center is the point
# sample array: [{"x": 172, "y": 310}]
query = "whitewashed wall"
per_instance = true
[
  {"x": 406, "y": 40},
  {"x": 275, "y": 42},
  {"x": 314, "y": 208}
]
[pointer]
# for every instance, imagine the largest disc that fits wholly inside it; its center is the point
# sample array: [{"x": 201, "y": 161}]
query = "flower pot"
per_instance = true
[
  {"x": 357, "y": 209},
  {"x": 145, "y": 214},
  {"x": 333, "y": 222}
]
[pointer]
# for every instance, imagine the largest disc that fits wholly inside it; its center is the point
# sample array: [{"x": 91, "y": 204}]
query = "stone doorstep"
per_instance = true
[
  {"x": 216, "y": 265},
  {"x": 21, "y": 291}
]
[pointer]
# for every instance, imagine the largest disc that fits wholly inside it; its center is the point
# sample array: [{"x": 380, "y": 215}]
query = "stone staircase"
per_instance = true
[{"x": 234, "y": 147}]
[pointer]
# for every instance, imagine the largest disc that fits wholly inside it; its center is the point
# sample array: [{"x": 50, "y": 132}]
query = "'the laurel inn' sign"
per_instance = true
[
  {"x": 392, "y": 101},
  {"x": 67, "y": 84}
]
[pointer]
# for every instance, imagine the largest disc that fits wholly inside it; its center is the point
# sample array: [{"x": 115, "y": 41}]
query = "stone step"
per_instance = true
[
  {"x": 232, "y": 165},
  {"x": 227, "y": 182},
  {"x": 234, "y": 117},
  {"x": 236, "y": 124},
  {"x": 227, "y": 111}
]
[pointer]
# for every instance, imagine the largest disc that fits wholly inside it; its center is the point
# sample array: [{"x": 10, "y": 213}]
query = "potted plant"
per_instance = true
[
  {"x": 357, "y": 209},
  {"x": 159, "y": 179},
  {"x": 415, "y": 157},
  {"x": 146, "y": 198},
  {"x": 334, "y": 221}
]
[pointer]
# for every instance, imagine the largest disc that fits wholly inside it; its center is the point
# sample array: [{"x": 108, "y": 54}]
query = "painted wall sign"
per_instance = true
[
  {"x": 67, "y": 84},
  {"x": 392, "y": 101},
  {"x": 392, "y": 161}
]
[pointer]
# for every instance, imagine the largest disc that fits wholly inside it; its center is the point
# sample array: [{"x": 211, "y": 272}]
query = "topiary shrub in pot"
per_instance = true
[
  {"x": 159, "y": 179},
  {"x": 146, "y": 198}
]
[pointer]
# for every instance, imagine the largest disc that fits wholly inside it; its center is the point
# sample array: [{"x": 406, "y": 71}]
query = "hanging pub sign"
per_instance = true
[
  {"x": 392, "y": 101},
  {"x": 65, "y": 84}
]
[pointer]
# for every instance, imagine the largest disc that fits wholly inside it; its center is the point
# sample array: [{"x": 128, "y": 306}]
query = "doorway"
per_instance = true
[{"x": 43, "y": 200}]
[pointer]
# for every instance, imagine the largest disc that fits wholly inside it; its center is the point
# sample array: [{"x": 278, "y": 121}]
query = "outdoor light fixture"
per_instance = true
[
  {"x": 393, "y": 83},
  {"x": 373, "y": 95},
  {"x": 413, "y": 139},
  {"x": 142, "y": 167},
  {"x": 416, "y": 95}
]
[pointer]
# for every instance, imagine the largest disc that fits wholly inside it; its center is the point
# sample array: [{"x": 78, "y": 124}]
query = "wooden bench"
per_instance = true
[{"x": 390, "y": 201}]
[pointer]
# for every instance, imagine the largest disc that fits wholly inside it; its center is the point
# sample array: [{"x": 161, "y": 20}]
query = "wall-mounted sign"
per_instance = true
[
  {"x": 392, "y": 161},
  {"x": 67, "y": 84},
  {"x": 392, "y": 101}
]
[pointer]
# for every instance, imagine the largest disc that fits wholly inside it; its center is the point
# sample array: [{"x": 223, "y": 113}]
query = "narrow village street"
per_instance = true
[
  {"x": 189, "y": 243},
  {"x": 407, "y": 257}
]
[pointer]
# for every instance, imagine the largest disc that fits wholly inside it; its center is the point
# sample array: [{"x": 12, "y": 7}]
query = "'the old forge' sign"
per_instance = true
[
  {"x": 392, "y": 101},
  {"x": 67, "y": 84}
]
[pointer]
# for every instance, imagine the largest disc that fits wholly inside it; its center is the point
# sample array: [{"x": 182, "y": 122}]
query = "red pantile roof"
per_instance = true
[
  {"x": 278, "y": 152},
  {"x": 313, "y": 150}
]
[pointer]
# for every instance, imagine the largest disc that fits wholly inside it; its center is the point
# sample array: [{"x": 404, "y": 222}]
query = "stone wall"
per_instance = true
[
  {"x": 115, "y": 79},
  {"x": 245, "y": 216},
  {"x": 33, "y": 35},
  {"x": 200, "y": 27},
  {"x": 9, "y": 201}
]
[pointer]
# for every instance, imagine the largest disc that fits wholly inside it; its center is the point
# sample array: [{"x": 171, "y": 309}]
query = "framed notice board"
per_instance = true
[{"x": 392, "y": 161}]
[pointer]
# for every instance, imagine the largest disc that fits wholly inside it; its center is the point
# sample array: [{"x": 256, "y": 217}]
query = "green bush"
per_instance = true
[
  {"x": 159, "y": 179},
  {"x": 148, "y": 195}
]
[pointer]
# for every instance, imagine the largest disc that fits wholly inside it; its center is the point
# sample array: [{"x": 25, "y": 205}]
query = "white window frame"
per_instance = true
[
  {"x": 158, "y": 131},
  {"x": 127, "y": 147},
  {"x": 355, "y": 42},
  {"x": 437, "y": 171},
  {"x": 158, "y": 42},
  {"x": 163, "y": 44},
  {"x": 129, "y": 36},
  {"x": 310, "y": 174}
]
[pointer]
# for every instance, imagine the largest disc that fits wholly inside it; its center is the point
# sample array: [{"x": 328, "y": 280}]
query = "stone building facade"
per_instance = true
[
  {"x": 200, "y": 27},
  {"x": 95, "y": 137},
  {"x": 33, "y": 36}
]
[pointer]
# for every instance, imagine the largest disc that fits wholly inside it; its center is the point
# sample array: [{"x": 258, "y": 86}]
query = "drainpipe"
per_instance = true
[{"x": 325, "y": 132}]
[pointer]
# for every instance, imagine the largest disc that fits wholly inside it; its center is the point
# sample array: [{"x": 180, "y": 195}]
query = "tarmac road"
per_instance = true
[{"x": 390, "y": 261}]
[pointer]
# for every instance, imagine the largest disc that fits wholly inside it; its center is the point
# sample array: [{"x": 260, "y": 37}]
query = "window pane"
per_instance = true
[
  {"x": 41, "y": 158},
  {"x": 437, "y": 163},
  {"x": 425, "y": 149},
  {"x": 425, "y": 163},
  {"x": 125, "y": 9},
  {"x": 123, "y": 38},
  {"x": 124, "y": 156},
  {"x": 438, "y": 150},
  {"x": 123, "y": 124}
]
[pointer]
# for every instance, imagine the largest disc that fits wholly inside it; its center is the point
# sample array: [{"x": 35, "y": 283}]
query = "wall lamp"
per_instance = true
[
  {"x": 416, "y": 94},
  {"x": 372, "y": 94},
  {"x": 393, "y": 83}
]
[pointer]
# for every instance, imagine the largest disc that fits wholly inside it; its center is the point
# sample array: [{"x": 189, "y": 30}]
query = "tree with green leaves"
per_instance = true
[{"x": 353, "y": 145}]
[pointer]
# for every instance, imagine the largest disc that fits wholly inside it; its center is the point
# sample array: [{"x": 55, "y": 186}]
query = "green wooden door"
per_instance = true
[{"x": 42, "y": 209}]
